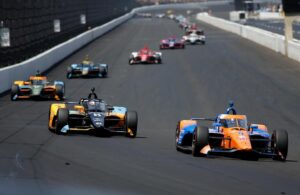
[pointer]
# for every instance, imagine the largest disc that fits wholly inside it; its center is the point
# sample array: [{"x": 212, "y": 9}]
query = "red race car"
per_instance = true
[{"x": 145, "y": 56}]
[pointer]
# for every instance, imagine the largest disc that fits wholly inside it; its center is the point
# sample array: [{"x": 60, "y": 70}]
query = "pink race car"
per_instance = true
[{"x": 172, "y": 43}]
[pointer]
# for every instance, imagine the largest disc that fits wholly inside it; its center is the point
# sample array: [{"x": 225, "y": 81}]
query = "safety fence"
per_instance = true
[{"x": 37, "y": 25}]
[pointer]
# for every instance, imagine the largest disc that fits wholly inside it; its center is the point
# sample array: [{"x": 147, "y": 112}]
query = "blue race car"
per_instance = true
[{"x": 87, "y": 69}]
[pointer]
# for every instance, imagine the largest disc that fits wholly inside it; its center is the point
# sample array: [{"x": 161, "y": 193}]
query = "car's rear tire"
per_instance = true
[
  {"x": 60, "y": 91},
  {"x": 62, "y": 119},
  {"x": 280, "y": 144},
  {"x": 103, "y": 71},
  {"x": 131, "y": 121},
  {"x": 14, "y": 92},
  {"x": 200, "y": 139}
]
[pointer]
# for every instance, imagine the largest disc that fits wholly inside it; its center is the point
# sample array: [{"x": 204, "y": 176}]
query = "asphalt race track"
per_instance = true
[{"x": 195, "y": 82}]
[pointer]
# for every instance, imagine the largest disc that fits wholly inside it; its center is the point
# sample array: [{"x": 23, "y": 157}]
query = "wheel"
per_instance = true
[
  {"x": 14, "y": 92},
  {"x": 200, "y": 139},
  {"x": 280, "y": 144},
  {"x": 62, "y": 119},
  {"x": 131, "y": 61},
  {"x": 177, "y": 136},
  {"x": 60, "y": 91},
  {"x": 158, "y": 61},
  {"x": 103, "y": 71},
  {"x": 69, "y": 73},
  {"x": 183, "y": 46},
  {"x": 203, "y": 42},
  {"x": 131, "y": 121}
]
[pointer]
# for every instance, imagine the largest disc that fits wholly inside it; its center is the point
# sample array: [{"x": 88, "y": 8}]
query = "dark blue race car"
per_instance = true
[{"x": 87, "y": 69}]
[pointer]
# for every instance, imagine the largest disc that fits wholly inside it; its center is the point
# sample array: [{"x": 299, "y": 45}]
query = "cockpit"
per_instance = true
[
  {"x": 230, "y": 122},
  {"x": 37, "y": 82},
  {"x": 144, "y": 52},
  {"x": 93, "y": 105}
]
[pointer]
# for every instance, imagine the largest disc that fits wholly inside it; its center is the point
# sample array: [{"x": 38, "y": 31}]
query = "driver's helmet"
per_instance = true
[{"x": 92, "y": 103}]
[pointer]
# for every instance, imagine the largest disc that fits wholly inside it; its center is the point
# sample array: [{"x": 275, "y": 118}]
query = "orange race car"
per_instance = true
[
  {"x": 231, "y": 135},
  {"x": 37, "y": 87}
]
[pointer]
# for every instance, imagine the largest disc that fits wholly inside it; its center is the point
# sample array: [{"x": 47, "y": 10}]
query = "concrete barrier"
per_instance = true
[
  {"x": 265, "y": 38},
  {"x": 47, "y": 59},
  {"x": 294, "y": 50}
]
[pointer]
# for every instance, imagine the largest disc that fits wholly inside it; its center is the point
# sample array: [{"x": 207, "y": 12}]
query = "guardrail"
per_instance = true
[{"x": 265, "y": 38}]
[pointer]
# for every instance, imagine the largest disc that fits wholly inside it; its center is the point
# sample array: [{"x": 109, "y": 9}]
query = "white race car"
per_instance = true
[{"x": 194, "y": 38}]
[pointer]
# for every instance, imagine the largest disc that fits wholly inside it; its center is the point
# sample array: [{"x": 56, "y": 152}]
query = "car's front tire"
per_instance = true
[
  {"x": 131, "y": 61},
  {"x": 103, "y": 71},
  {"x": 280, "y": 144},
  {"x": 14, "y": 92},
  {"x": 62, "y": 119},
  {"x": 200, "y": 139},
  {"x": 131, "y": 121}
]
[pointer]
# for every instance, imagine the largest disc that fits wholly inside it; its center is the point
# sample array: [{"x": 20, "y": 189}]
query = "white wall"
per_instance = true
[
  {"x": 47, "y": 59},
  {"x": 265, "y": 38}
]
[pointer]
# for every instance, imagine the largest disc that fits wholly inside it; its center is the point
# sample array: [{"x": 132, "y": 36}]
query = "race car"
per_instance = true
[
  {"x": 87, "y": 69},
  {"x": 37, "y": 87},
  {"x": 172, "y": 43},
  {"x": 93, "y": 115},
  {"x": 194, "y": 39},
  {"x": 194, "y": 31},
  {"x": 184, "y": 25},
  {"x": 145, "y": 56},
  {"x": 192, "y": 27},
  {"x": 231, "y": 135}
]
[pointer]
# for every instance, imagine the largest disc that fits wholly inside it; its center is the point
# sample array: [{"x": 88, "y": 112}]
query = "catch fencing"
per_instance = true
[{"x": 37, "y": 25}]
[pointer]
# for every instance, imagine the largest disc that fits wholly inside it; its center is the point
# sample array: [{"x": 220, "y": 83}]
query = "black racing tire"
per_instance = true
[
  {"x": 177, "y": 132},
  {"x": 280, "y": 144},
  {"x": 203, "y": 43},
  {"x": 131, "y": 122},
  {"x": 103, "y": 71},
  {"x": 14, "y": 91},
  {"x": 60, "y": 91},
  {"x": 69, "y": 73},
  {"x": 69, "y": 76},
  {"x": 200, "y": 139},
  {"x": 62, "y": 119},
  {"x": 158, "y": 61},
  {"x": 130, "y": 61}
]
